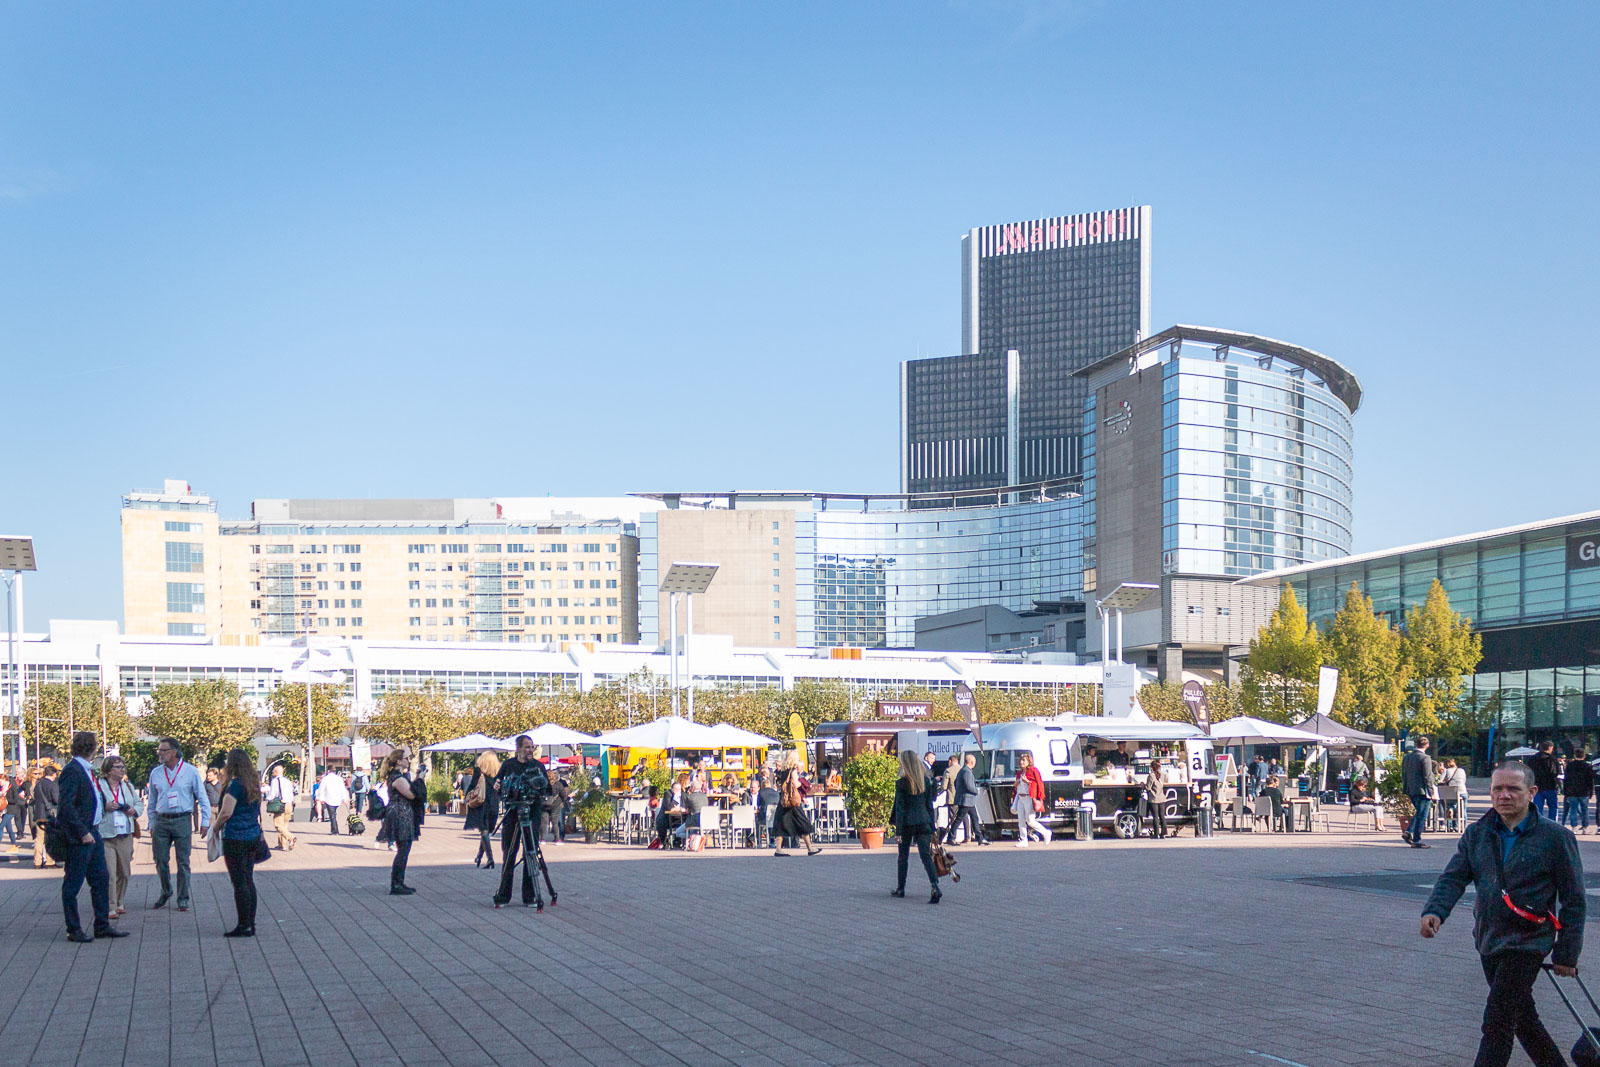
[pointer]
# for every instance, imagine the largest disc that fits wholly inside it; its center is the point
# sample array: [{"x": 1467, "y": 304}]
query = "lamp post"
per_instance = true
[
  {"x": 1124, "y": 597},
  {"x": 16, "y": 556},
  {"x": 688, "y": 579}
]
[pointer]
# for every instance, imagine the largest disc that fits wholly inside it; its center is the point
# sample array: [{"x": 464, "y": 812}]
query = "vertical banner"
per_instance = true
[
  {"x": 798, "y": 730},
  {"x": 1327, "y": 689},
  {"x": 967, "y": 704}
]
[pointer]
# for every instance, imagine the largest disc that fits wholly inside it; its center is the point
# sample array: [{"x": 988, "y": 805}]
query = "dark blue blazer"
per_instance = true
[{"x": 76, "y": 812}]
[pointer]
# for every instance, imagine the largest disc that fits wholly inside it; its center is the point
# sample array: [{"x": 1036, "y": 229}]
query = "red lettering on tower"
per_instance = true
[
  {"x": 1014, "y": 238},
  {"x": 1094, "y": 226}
]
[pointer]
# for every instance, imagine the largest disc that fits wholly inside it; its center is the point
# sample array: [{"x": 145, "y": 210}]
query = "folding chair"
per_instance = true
[{"x": 742, "y": 824}]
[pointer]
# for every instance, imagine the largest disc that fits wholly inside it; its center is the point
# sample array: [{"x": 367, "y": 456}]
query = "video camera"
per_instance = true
[{"x": 524, "y": 789}]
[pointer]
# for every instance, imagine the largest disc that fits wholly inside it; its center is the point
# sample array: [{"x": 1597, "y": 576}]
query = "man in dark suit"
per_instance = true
[{"x": 78, "y": 817}]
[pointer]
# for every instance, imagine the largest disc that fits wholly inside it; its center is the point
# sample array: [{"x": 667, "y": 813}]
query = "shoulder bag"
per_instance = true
[
  {"x": 480, "y": 792},
  {"x": 275, "y": 805}
]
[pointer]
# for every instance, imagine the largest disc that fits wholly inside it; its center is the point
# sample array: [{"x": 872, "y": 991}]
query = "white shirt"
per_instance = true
[
  {"x": 99, "y": 804},
  {"x": 332, "y": 791},
  {"x": 280, "y": 788}
]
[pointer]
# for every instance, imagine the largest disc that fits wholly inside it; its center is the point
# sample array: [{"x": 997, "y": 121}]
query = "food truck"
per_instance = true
[{"x": 1109, "y": 794}]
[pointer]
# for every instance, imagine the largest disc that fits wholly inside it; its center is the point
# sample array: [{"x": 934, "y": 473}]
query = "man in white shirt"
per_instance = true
[
  {"x": 281, "y": 792},
  {"x": 176, "y": 793},
  {"x": 334, "y": 795}
]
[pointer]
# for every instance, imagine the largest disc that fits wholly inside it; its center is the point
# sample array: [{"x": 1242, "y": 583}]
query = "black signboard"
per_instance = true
[
  {"x": 1194, "y": 695},
  {"x": 1583, "y": 551}
]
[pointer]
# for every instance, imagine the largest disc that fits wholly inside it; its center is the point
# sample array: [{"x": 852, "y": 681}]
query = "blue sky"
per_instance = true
[{"x": 468, "y": 250}]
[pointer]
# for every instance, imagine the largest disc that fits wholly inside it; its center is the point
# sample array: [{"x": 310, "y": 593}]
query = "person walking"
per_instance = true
[
  {"x": 1027, "y": 801},
  {"x": 360, "y": 786},
  {"x": 1577, "y": 786},
  {"x": 1547, "y": 776},
  {"x": 399, "y": 818},
  {"x": 555, "y": 810},
  {"x": 78, "y": 816},
  {"x": 965, "y": 807},
  {"x": 176, "y": 793},
  {"x": 1416, "y": 778},
  {"x": 1155, "y": 792},
  {"x": 1256, "y": 778},
  {"x": 280, "y": 794},
  {"x": 334, "y": 796},
  {"x": 1530, "y": 903},
  {"x": 213, "y": 794},
  {"x": 483, "y": 805},
  {"x": 238, "y": 823},
  {"x": 119, "y": 825},
  {"x": 792, "y": 820},
  {"x": 912, "y": 818},
  {"x": 42, "y": 809},
  {"x": 947, "y": 794}
]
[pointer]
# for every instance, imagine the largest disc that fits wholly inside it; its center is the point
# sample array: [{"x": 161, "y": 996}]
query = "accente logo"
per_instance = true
[{"x": 1583, "y": 551}]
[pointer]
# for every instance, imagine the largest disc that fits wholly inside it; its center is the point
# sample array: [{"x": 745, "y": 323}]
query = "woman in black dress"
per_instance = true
[
  {"x": 484, "y": 816},
  {"x": 912, "y": 819},
  {"x": 792, "y": 820},
  {"x": 399, "y": 821}
]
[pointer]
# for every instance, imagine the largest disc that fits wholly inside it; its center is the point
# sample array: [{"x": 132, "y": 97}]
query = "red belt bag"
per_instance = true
[{"x": 1524, "y": 913}]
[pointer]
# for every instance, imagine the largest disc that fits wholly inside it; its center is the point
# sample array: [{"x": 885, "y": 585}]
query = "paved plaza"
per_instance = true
[{"x": 1280, "y": 949}]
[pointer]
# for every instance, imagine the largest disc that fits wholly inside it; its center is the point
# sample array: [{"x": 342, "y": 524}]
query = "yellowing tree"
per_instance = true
[
  {"x": 1372, "y": 671},
  {"x": 1439, "y": 650},
  {"x": 1280, "y": 676},
  {"x": 330, "y": 719},
  {"x": 61, "y": 709},
  {"x": 206, "y": 716}
]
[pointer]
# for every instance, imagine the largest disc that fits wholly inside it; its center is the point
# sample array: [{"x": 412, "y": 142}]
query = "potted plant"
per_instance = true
[
  {"x": 594, "y": 813},
  {"x": 869, "y": 794},
  {"x": 439, "y": 791}
]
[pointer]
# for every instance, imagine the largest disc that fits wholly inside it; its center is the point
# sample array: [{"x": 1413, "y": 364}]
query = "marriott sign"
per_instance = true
[{"x": 1063, "y": 231}]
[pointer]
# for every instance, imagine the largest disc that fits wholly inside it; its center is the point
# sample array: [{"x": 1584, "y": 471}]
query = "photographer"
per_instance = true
[{"x": 522, "y": 783}]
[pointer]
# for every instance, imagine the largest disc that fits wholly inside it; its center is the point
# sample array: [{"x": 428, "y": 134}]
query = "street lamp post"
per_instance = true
[
  {"x": 16, "y": 556},
  {"x": 689, "y": 579}
]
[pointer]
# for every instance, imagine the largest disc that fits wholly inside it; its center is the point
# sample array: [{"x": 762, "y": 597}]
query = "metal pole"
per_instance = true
[
  {"x": 688, "y": 649},
  {"x": 308, "y": 728},
  {"x": 672, "y": 602},
  {"x": 11, "y": 668},
  {"x": 72, "y": 722},
  {"x": 17, "y": 665},
  {"x": 1119, "y": 635},
  {"x": 104, "y": 728},
  {"x": 1105, "y": 634}
]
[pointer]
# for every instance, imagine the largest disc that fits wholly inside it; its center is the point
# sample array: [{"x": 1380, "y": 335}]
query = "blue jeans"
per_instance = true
[
  {"x": 1544, "y": 802},
  {"x": 1420, "y": 819},
  {"x": 1576, "y": 806},
  {"x": 7, "y": 825}
]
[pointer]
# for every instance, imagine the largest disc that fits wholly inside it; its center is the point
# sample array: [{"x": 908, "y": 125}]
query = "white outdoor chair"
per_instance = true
[
  {"x": 742, "y": 823},
  {"x": 1352, "y": 818},
  {"x": 834, "y": 816},
  {"x": 1447, "y": 809},
  {"x": 710, "y": 826},
  {"x": 636, "y": 817}
]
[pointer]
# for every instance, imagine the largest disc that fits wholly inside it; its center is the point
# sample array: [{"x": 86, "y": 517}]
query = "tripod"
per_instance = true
[{"x": 531, "y": 853}]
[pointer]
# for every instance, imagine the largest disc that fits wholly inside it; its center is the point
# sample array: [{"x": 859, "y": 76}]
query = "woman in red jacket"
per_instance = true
[{"x": 1028, "y": 801}]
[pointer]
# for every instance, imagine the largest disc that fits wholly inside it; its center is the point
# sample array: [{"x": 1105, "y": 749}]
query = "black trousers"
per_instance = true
[
  {"x": 924, "y": 841},
  {"x": 240, "y": 857},
  {"x": 510, "y": 846},
  {"x": 1510, "y": 1013},
  {"x": 1158, "y": 815},
  {"x": 397, "y": 869},
  {"x": 966, "y": 813},
  {"x": 87, "y": 862}
]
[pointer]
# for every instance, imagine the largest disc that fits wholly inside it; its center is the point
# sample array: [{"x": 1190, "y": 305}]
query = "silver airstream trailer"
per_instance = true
[{"x": 1107, "y": 792}]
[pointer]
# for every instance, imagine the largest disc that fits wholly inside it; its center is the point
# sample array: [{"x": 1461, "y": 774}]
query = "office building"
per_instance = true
[
  {"x": 1532, "y": 591},
  {"x": 1210, "y": 454},
  {"x": 1040, "y": 300},
  {"x": 517, "y": 570}
]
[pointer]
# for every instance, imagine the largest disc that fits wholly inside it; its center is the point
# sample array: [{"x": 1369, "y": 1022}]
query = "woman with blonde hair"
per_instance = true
[
  {"x": 792, "y": 820},
  {"x": 238, "y": 823},
  {"x": 483, "y": 805},
  {"x": 912, "y": 819}
]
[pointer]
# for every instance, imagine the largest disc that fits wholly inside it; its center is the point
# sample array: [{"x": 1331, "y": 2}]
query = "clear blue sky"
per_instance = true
[{"x": 466, "y": 250}]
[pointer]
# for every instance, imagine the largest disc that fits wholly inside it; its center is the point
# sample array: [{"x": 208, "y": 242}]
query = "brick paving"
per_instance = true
[{"x": 1178, "y": 952}]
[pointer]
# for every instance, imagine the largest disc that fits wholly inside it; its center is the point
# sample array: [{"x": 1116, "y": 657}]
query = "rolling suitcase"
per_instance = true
[{"x": 1586, "y": 1053}]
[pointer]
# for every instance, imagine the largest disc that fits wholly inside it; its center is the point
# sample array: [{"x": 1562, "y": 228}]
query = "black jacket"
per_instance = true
[
  {"x": 1544, "y": 771},
  {"x": 75, "y": 813},
  {"x": 912, "y": 812},
  {"x": 1416, "y": 773},
  {"x": 46, "y": 795},
  {"x": 487, "y": 814},
  {"x": 1579, "y": 781},
  {"x": 1542, "y": 875}
]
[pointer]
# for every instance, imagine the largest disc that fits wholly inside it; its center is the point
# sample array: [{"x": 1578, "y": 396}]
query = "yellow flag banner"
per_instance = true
[{"x": 798, "y": 729}]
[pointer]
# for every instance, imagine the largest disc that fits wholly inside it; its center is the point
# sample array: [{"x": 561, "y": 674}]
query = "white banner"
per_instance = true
[{"x": 1327, "y": 689}]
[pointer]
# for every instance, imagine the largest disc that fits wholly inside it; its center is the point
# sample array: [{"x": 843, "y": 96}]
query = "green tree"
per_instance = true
[
  {"x": 1440, "y": 649},
  {"x": 1372, "y": 671},
  {"x": 417, "y": 717},
  {"x": 58, "y": 715},
  {"x": 286, "y": 717},
  {"x": 1163, "y": 701},
  {"x": 1226, "y": 701},
  {"x": 205, "y": 716},
  {"x": 1280, "y": 675}
]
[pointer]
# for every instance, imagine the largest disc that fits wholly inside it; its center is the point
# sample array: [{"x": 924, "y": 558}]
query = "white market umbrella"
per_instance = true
[
  {"x": 1522, "y": 750},
  {"x": 469, "y": 743},
  {"x": 669, "y": 731},
  {"x": 731, "y": 736},
  {"x": 1250, "y": 731},
  {"x": 550, "y": 734}
]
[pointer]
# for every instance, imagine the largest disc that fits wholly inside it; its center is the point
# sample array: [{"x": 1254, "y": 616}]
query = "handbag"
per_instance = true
[
  {"x": 213, "y": 847},
  {"x": 944, "y": 862},
  {"x": 262, "y": 852},
  {"x": 480, "y": 793},
  {"x": 274, "y": 807}
]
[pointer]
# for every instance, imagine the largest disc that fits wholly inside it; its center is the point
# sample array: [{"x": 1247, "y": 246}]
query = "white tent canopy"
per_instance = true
[
  {"x": 469, "y": 743},
  {"x": 1251, "y": 731},
  {"x": 550, "y": 734},
  {"x": 669, "y": 731},
  {"x": 730, "y": 736},
  {"x": 1521, "y": 751}
]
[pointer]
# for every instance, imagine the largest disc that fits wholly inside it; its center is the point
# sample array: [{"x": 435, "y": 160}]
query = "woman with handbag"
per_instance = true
[
  {"x": 483, "y": 805},
  {"x": 399, "y": 816},
  {"x": 238, "y": 823},
  {"x": 912, "y": 819},
  {"x": 1155, "y": 798},
  {"x": 1028, "y": 801},
  {"x": 280, "y": 805},
  {"x": 119, "y": 826},
  {"x": 792, "y": 820}
]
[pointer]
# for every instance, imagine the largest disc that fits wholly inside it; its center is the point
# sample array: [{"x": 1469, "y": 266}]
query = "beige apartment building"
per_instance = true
[{"x": 516, "y": 570}]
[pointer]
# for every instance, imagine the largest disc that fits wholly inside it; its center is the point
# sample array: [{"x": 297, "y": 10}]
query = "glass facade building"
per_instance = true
[{"x": 1532, "y": 591}]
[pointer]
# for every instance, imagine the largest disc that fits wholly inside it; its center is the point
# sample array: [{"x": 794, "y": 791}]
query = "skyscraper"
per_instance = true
[{"x": 1040, "y": 301}]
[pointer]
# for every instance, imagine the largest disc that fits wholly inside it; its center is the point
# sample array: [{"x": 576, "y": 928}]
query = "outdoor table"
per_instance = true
[{"x": 1297, "y": 812}]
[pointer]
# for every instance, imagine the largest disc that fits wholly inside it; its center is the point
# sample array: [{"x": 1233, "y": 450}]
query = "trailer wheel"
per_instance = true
[{"x": 1127, "y": 824}]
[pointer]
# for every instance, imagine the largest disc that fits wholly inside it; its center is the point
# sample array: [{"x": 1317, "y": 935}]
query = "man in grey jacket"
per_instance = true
[
  {"x": 965, "y": 808},
  {"x": 1530, "y": 902},
  {"x": 1416, "y": 778}
]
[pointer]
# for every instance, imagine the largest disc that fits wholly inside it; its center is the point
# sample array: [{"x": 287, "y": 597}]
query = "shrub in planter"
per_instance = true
[
  {"x": 439, "y": 790},
  {"x": 869, "y": 789},
  {"x": 593, "y": 813},
  {"x": 1392, "y": 791}
]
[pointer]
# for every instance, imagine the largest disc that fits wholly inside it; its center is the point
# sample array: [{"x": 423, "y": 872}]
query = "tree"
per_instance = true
[
  {"x": 205, "y": 716},
  {"x": 1372, "y": 671},
  {"x": 1280, "y": 674},
  {"x": 1439, "y": 649},
  {"x": 58, "y": 715},
  {"x": 1163, "y": 701},
  {"x": 417, "y": 717},
  {"x": 286, "y": 717},
  {"x": 1227, "y": 701}
]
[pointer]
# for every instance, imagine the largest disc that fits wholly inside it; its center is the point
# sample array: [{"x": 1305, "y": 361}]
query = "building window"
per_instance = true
[
  {"x": 338, "y": 620},
  {"x": 414, "y": 584},
  {"x": 774, "y": 557},
  {"x": 338, "y": 603},
  {"x": 186, "y": 597},
  {"x": 611, "y": 583},
  {"x": 413, "y": 567},
  {"x": 414, "y": 602},
  {"x": 184, "y": 558},
  {"x": 415, "y": 620},
  {"x": 355, "y": 566},
  {"x": 776, "y": 619},
  {"x": 356, "y": 621},
  {"x": 611, "y": 548},
  {"x": 182, "y": 527},
  {"x": 355, "y": 585},
  {"x": 322, "y": 605},
  {"x": 356, "y": 603}
]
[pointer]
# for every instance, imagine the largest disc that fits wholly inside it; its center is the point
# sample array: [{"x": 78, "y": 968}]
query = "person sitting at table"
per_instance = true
[
  {"x": 699, "y": 781},
  {"x": 1272, "y": 794},
  {"x": 833, "y": 779},
  {"x": 672, "y": 809},
  {"x": 1120, "y": 757},
  {"x": 1363, "y": 802},
  {"x": 730, "y": 783}
]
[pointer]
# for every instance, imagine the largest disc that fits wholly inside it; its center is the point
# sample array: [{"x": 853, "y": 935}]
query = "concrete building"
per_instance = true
[
  {"x": 514, "y": 570},
  {"x": 1049, "y": 627}
]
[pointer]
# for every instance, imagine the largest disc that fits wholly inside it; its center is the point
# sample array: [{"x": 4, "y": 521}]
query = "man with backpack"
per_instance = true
[{"x": 46, "y": 796}]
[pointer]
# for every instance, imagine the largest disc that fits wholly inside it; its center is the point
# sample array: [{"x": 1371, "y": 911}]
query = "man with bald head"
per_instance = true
[{"x": 1530, "y": 903}]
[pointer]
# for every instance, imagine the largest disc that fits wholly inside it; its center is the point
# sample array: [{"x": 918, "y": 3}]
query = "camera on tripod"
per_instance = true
[{"x": 525, "y": 791}]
